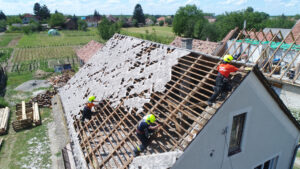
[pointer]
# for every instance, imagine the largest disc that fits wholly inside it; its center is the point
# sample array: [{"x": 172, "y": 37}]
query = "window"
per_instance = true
[
  {"x": 236, "y": 134},
  {"x": 270, "y": 164}
]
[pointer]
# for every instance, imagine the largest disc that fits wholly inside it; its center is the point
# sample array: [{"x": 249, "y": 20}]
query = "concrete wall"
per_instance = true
[
  {"x": 267, "y": 133},
  {"x": 290, "y": 95}
]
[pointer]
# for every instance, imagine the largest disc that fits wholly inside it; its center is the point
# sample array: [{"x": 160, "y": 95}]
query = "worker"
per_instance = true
[
  {"x": 222, "y": 81},
  {"x": 87, "y": 110},
  {"x": 145, "y": 128}
]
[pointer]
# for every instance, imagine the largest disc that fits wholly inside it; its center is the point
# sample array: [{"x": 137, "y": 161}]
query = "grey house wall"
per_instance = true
[{"x": 267, "y": 133}]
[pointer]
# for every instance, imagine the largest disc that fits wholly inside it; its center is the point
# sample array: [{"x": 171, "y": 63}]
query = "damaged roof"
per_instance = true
[
  {"x": 205, "y": 47},
  {"x": 132, "y": 78}
]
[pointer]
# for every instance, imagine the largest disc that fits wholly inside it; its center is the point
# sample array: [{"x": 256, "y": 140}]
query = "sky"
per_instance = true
[{"x": 155, "y": 7}]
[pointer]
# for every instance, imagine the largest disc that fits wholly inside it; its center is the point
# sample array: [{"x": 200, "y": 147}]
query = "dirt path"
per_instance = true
[
  {"x": 9, "y": 62},
  {"x": 14, "y": 42},
  {"x": 58, "y": 133}
]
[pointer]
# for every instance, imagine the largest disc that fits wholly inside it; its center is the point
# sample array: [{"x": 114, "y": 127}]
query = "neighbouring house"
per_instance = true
[
  {"x": 70, "y": 24},
  {"x": 210, "y": 19},
  {"x": 112, "y": 19},
  {"x": 149, "y": 22},
  {"x": 251, "y": 128},
  {"x": 296, "y": 33},
  {"x": 87, "y": 51},
  {"x": 27, "y": 18},
  {"x": 206, "y": 47},
  {"x": 92, "y": 21},
  {"x": 161, "y": 19},
  {"x": 278, "y": 59},
  {"x": 284, "y": 32}
]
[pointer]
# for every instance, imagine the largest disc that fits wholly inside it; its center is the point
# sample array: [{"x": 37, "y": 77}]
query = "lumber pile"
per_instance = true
[
  {"x": 1, "y": 141},
  {"x": 27, "y": 115},
  {"x": 44, "y": 100},
  {"x": 61, "y": 80},
  {"x": 4, "y": 115}
]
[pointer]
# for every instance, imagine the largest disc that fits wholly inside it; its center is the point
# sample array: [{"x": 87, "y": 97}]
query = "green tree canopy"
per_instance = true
[
  {"x": 82, "y": 25},
  {"x": 106, "y": 29},
  {"x": 2, "y": 16},
  {"x": 280, "y": 22},
  {"x": 188, "y": 21},
  {"x": 57, "y": 19},
  {"x": 138, "y": 14},
  {"x": 42, "y": 12}
]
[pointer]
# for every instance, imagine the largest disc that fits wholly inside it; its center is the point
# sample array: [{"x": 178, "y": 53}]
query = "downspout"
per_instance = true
[{"x": 294, "y": 156}]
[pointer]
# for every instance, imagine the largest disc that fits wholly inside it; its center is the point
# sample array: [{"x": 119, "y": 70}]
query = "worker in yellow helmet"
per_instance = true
[
  {"x": 87, "y": 110},
  {"x": 145, "y": 127},
  {"x": 223, "y": 84}
]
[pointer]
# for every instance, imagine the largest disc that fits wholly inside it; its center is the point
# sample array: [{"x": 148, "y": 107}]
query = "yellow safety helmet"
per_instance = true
[
  {"x": 92, "y": 98},
  {"x": 228, "y": 58},
  {"x": 150, "y": 118}
]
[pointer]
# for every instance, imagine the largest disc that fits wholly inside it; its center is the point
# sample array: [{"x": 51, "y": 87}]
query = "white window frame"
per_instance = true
[{"x": 273, "y": 163}]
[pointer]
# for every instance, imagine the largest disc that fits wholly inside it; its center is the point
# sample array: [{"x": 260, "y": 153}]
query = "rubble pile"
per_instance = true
[
  {"x": 44, "y": 100},
  {"x": 61, "y": 80}
]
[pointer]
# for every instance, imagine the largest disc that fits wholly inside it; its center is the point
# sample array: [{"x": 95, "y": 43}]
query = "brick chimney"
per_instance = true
[{"x": 187, "y": 43}]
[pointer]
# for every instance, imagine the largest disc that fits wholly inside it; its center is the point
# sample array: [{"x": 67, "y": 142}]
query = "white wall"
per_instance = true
[{"x": 268, "y": 132}]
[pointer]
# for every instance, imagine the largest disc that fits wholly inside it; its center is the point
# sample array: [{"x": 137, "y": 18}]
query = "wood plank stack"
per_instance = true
[
  {"x": 4, "y": 115},
  {"x": 27, "y": 115},
  {"x": 61, "y": 80},
  {"x": 1, "y": 141}
]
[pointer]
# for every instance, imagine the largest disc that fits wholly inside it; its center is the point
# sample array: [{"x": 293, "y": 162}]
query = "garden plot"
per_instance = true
[{"x": 29, "y": 59}]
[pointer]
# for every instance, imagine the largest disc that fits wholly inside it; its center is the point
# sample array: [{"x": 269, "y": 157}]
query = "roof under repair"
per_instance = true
[{"x": 133, "y": 77}]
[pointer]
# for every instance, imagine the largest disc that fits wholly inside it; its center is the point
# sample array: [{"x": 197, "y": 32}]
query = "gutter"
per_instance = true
[{"x": 294, "y": 156}]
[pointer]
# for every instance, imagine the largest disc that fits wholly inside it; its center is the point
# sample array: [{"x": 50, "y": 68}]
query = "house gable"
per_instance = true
[{"x": 268, "y": 132}]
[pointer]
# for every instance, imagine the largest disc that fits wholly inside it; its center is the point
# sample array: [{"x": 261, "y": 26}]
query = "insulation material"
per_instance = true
[{"x": 124, "y": 67}]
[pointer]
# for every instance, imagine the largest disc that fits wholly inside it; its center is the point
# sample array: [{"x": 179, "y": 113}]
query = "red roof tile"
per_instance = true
[
  {"x": 206, "y": 47},
  {"x": 87, "y": 51},
  {"x": 296, "y": 32}
]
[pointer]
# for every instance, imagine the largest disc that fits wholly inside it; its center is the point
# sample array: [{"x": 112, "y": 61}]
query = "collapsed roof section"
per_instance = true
[
  {"x": 134, "y": 77},
  {"x": 278, "y": 59}
]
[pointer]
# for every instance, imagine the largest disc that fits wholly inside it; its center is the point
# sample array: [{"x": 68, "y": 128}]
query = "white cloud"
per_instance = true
[
  {"x": 240, "y": 2},
  {"x": 292, "y": 3},
  {"x": 234, "y": 2},
  {"x": 113, "y": 1}
]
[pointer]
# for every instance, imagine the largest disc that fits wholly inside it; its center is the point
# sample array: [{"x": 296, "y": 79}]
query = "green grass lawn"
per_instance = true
[
  {"x": 28, "y": 148},
  {"x": 66, "y": 38},
  {"x": 160, "y": 34}
]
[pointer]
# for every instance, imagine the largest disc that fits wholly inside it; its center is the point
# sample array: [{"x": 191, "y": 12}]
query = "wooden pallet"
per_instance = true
[
  {"x": 4, "y": 115},
  {"x": 27, "y": 116}
]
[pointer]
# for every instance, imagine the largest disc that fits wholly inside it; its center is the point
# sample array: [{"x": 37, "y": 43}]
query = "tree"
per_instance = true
[
  {"x": 75, "y": 20},
  {"x": 185, "y": 20},
  {"x": 138, "y": 14},
  {"x": 44, "y": 12},
  {"x": 57, "y": 19},
  {"x": 82, "y": 25},
  {"x": 280, "y": 22},
  {"x": 37, "y": 9},
  {"x": 13, "y": 19},
  {"x": 2, "y": 16},
  {"x": 161, "y": 23},
  {"x": 2, "y": 25},
  {"x": 96, "y": 13},
  {"x": 107, "y": 29},
  {"x": 169, "y": 21},
  {"x": 297, "y": 16}
]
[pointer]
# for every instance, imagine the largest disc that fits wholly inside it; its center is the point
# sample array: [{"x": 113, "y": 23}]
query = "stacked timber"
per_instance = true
[
  {"x": 1, "y": 141},
  {"x": 44, "y": 100},
  {"x": 4, "y": 115},
  {"x": 27, "y": 115}
]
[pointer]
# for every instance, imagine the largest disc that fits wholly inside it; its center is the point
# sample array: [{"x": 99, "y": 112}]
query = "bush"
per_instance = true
[
  {"x": 2, "y": 25},
  {"x": 107, "y": 29},
  {"x": 3, "y": 103},
  {"x": 161, "y": 23},
  {"x": 82, "y": 25}
]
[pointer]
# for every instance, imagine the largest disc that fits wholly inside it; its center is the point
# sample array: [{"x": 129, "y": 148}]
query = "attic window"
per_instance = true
[{"x": 236, "y": 134}]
